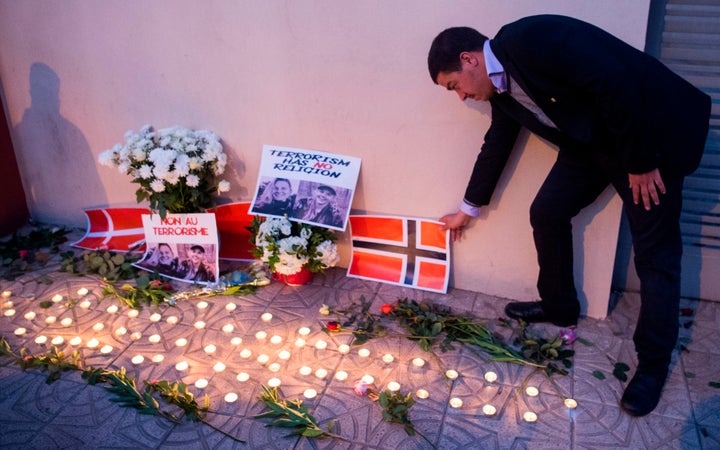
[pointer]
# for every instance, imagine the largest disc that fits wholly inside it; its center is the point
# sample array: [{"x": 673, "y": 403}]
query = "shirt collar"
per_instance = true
[{"x": 495, "y": 70}]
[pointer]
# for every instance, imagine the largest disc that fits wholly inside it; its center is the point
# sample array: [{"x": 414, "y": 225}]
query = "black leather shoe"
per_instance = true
[
  {"x": 642, "y": 394},
  {"x": 533, "y": 312}
]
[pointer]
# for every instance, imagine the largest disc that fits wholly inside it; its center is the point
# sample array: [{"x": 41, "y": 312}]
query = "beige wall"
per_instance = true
[{"x": 341, "y": 76}]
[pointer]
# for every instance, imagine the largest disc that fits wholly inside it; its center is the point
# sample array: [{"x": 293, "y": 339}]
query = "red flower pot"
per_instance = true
[{"x": 297, "y": 279}]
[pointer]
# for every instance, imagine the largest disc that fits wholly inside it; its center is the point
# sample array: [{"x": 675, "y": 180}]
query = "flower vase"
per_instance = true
[{"x": 305, "y": 276}]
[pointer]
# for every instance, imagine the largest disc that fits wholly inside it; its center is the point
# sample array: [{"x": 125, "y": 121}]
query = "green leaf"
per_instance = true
[
  {"x": 599, "y": 375},
  {"x": 714, "y": 384}
]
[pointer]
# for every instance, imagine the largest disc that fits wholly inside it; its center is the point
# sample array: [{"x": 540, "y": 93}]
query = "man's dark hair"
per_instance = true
[
  {"x": 444, "y": 55},
  {"x": 198, "y": 248}
]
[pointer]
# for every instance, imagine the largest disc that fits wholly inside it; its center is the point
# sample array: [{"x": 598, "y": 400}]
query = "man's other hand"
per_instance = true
[
  {"x": 455, "y": 223},
  {"x": 646, "y": 186}
]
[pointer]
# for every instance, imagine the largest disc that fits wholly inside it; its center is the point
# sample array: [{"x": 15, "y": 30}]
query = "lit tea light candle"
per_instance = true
[
  {"x": 418, "y": 362},
  {"x": 388, "y": 358},
  {"x": 530, "y": 417},
  {"x": 393, "y": 386},
  {"x": 11, "y": 312},
  {"x": 106, "y": 349},
  {"x": 304, "y": 331},
  {"x": 172, "y": 320},
  {"x": 236, "y": 340},
  {"x": 199, "y": 325},
  {"x": 30, "y": 315},
  {"x": 230, "y": 307},
  {"x": 489, "y": 410},
  {"x": 57, "y": 298},
  {"x": 93, "y": 343},
  {"x": 341, "y": 375},
  {"x": 85, "y": 304},
  {"x": 182, "y": 366},
  {"x": 231, "y": 397},
  {"x": 364, "y": 352},
  {"x": 228, "y": 328},
  {"x": 77, "y": 340},
  {"x": 201, "y": 383},
  {"x": 310, "y": 393},
  {"x": 112, "y": 309},
  {"x": 122, "y": 331},
  {"x": 243, "y": 376},
  {"x": 321, "y": 345},
  {"x": 136, "y": 335},
  {"x": 305, "y": 370},
  {"x": 66, "y": 322},
  {"x": 266, "y": 317},
  {"x": 137, "y": 359},
  {"x": 422, "y": 393},
  {"x": 300, "y": 342},
  {"x": 202, "y": 305},
  {"x": 48, "y": 320},
  {"x": 274, "y": 382},
  {"x": 570, "y": 403},
  {"x": 344, "y": 349},
  {"x": 451, "y": 374},
  {"x": 321, "y": 373},
  {"x": 245, "y": 353},
  {"x": 58, "y": 340},
  {"x": 20, "y": 331},
  {"x": 490, "y": 377},
  {"x": 6, "y": 294},
  {"x": 284, "y": 355},
  {"x": 274, "y": 367},
  {"x": 368, "y": 379},
  {"x": 158, "y": 358},
  {"x": 263, "y": 358},
  {"x": 181, "y": 342},
  {"x": 456, "y": 402},
  {"x": 82, "y": 292},
  {"x": 154, "y": 339},
  {"x": 532, "y": 391},
  {"x": 210, "y": 348},
  {"x": 41, "y": 339},
  {"x": 276, "y": 339},
  {"x": 260, "y": 335},
  {"x": 98, "y": 326},
  {"x": 8, "y": 304},
  {"x": 155, "y": 317}
]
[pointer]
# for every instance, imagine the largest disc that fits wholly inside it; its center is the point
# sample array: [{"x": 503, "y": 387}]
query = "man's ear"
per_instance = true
[{"x": 468, "y": 58}]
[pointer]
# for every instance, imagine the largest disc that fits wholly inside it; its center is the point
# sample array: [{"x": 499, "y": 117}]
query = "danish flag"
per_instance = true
[
  {"x": 119, "y": 229},
  {"x": 402, "y": 251}
]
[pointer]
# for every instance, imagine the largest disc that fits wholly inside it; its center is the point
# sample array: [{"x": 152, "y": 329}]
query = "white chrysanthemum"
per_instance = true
[
  {"x": 329, "y": 255},
  {"x": 172, "y": 178},
  {"x": 161, "y": 171},
  {"x": 289, "y": 264},
  {"x": 145, "y": 172},
  {"x": 182, "y": 165},
  {"x": 223, "y": 186},
  {"x": 305, "y": 233},
  {"x": 192, "y": 180},
  {"x": 107, "y": 158},
  {"x": 194, "y": 164},
  {"x": 123, "y": 167},
  {"x": 157, "y": 186},
  {"x": 291, "y": 243},
  {"x": 138, "y": 154}
]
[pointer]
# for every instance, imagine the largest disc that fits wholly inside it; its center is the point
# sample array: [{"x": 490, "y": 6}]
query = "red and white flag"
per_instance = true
[
  {"x": 118, "y": 229},
  {"x": 398, "y": 250},
  {"x": 232, "y": 222}
]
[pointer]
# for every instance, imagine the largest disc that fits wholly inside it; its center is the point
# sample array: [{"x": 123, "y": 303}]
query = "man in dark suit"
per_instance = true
[{"x": 619, "y": 117}]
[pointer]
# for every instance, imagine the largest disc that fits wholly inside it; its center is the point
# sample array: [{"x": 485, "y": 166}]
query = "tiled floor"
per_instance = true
[{"x": 72, "y": 414}]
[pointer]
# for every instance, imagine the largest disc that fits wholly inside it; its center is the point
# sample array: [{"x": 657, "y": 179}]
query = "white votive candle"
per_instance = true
[
  {"x": 66, "y": 322},
  {"x": 276, "y": 339},
  {"x": 393, "y": 386},
  {"x": 243, "y": 376},
  {"x": 122, "y": 331},
  {"x": 93, "y": 343},
  {"x": 85, "y": 304},
  {"x": 456, "y": 402},
  {"x": 260, "y": 335},
  {"x": 304, "y": 331},
  {"x": 58, "y": 340},
  {"x": 11, "y": 312},
  {"x": 182, "y": 365},
  {"x": 341, "y": 375},
  {"x": 236, "y": 340},
  {"x": 20, "y": 331},
  {"x": 388, "y": 358},
  {"x": 155, "y": 317},
  {"x": 321, "y": 345},
  {"x": 210, "y": 348},
  {"x": 490, "y": 377},
  {"x": 77, "y": 340},
  {"x": 98, "y": 326},
  {"x": 451, "y": 374},
  {"x": 135, "y": 335},
  {"x": 228, "y": 328},
  {"x": 137, "y": 359},
  {"x": 48, "y": 320},
  {"x": 310, "y": 393},
  {"x": 181, "y": 342},
  {"x": 82, "y": 292},
  {"x": 106, "y": 349},
  {"x": 231, "y": 397},
  {"x": 284, "y": 355},
  {"x": 57, "y": 298},
  {"x": 422, "y": 393},
  {"x": 158, "y": 358},
  {"x": 154, "y": 338},
  {"x": 364, "y": 352},
  {"x": 570, "y": 403},
  {"x": 263, "y": 358},
  {"x": 532, "y": 391},
  {"x": 266, "y": 317},
  {"x": 172, "y": 320},
  {"x": 41, "y": 339},
  {"x": 530, "y": 417},
  {"x": 6, "y": 294},
  {"x": 274, "y": 382},
  {"x": 489, "y": 410},
  {"x": 418, "y": 362},
  {"x": 274, "y": 367},
  {"x": 300, "y": 342},
  {"x": 368, "y": 379},
  {"x": 344, "y": 349},
  {"x": 30, "y": 315},
  {"x": 321, "y": 373},
  {"x": 201, "y": 383},
  {"x": 230, "y": 307},
  {"x": 133, "y": 313},
  {"x": 202, "y": 305},
  {"x": 199, "y": 325},
  {"x": 305, "y": 370},
  {"x": 112, "y": 309},
  {"x": 245, "y": 353}
]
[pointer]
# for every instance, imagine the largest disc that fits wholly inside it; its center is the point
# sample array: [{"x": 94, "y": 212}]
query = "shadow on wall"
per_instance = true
[{"x": 59, "y": 170}]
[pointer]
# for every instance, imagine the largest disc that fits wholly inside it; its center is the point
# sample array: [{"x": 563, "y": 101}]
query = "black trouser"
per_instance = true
[{"x": 574, "y": 182}]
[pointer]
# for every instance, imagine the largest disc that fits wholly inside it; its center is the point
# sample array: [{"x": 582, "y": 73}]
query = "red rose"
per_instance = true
[
  {"x": 386, "y": 308},
  {"x": 333, "y": 326}
]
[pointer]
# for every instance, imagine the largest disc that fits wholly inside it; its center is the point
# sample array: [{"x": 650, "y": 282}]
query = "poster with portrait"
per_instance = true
[
  {"x": 183, "y": 247},
  {"x": 308, "y": 186}
]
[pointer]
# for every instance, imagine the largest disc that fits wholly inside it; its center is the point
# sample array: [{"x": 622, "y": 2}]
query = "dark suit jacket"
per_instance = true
[{"x": 601, "y": 93}]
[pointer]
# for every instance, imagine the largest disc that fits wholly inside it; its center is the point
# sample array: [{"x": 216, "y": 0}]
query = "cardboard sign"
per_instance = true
[
  {"x": 183, "y": 247},
  {"x": 306, "y": 185}
]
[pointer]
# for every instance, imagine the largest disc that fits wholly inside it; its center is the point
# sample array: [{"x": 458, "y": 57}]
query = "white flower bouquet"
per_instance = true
[
  {"x": 176, "y": 168},
  {"x": 288, "y": 247}
]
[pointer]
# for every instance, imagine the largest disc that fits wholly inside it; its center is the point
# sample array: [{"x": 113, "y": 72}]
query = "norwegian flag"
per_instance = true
[
  {"x": 232, "y": 222},
  {"x": 403, "y": 251},
  {"x": 119, "y": 229}
]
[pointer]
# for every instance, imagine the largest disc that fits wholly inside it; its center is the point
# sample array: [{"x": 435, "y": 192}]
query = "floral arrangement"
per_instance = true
[
  {"x": 288, "y": 247},
  {"x": 176, "y": 168}
]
